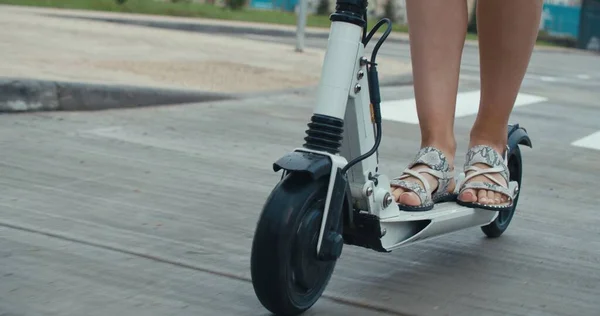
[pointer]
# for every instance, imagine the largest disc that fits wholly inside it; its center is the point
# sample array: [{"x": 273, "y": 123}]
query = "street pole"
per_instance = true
[{"x": 300, "y": 32}]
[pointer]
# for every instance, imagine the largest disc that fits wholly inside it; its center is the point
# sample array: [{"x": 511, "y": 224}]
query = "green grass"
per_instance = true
[
  {"x": 198, "y": 10},
  {"x": 183, "y": 9}
]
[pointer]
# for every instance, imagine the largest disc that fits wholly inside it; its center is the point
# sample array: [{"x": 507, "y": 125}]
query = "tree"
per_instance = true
[
  {"x": 323, "y": 7},
  {"x": 389, "y": 10},
  {"x": 472, "y": 26}
]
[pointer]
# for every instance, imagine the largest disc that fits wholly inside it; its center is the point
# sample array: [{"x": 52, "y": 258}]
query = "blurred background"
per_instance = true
[{"x": 571, "y": 23}]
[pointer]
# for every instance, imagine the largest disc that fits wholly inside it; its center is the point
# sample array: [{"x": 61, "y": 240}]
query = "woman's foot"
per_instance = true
[
  {"x": 487, "y": 178},
  {"x": 427, "y": 180}
]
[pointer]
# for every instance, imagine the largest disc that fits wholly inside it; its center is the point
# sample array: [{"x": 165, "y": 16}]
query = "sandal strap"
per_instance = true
[
  {"x": 432, "y": 158},
  {"x": 415, "y": 187},
  {"x": 436, "y": 165},
  {"x": 417, "y": 174},
  {"x": 482, "y": 154},
  {"x": 484, "y": 172}
]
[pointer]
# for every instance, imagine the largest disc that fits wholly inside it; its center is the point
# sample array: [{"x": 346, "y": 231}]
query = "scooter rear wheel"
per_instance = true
[
  {"x": 287, "y": 276},
  {"x": 500, "y": 224}
]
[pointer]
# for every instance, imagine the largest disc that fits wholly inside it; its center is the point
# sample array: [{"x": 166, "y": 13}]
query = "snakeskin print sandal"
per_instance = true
[
  {"x": 435, "y": 164},
  {"x": 498, "y": 164}
]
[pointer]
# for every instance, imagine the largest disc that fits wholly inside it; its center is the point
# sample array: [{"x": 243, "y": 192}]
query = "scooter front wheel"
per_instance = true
[{"x": 287, "y": 276}]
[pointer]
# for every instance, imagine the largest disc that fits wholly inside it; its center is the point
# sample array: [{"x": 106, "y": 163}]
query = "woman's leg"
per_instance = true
[
  {"x": 437, "y": 31},
  {"x": 507, "y": 34}
]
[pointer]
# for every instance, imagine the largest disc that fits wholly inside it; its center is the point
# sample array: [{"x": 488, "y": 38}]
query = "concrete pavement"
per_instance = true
[
  {"x": 38, "y": 46},
  {"x": 151, "y": 212}
]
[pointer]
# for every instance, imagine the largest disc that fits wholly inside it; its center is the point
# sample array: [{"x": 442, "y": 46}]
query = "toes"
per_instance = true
[
  {"x": 406, "y": 197},
  {"x": 482, "y": 196},
  {"x": 468, "y": 195},
  {"x": 491, "y": 197},
  {"x": 409, "y": 198},
  {"x": 396, "y": 193},
  {"x": 498, "y": 198}
]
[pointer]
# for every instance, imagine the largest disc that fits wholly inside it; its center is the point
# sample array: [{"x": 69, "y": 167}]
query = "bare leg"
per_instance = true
[
  {"x": 507, "y": 33},
  {"x": 437, "y": 31}
]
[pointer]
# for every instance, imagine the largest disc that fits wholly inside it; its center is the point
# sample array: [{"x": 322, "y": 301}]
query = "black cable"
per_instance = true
[
  {"x": 376, "y": 28},
  {"x": 367, "y": 154},
  {"x": 373, "y": 89},
  {"x": 364, "y": 35},
  {"x": 382, "y": 39}
]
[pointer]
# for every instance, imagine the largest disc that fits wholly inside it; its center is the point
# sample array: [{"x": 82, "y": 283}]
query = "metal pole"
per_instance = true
[{"x": 300, "y": 32}]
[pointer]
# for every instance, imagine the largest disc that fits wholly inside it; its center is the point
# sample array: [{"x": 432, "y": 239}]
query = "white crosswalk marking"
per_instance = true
[
  {"x": 580, "y": 79},
  {"x": 591, "y": 141},
  {"x": 467, "y": 103}
]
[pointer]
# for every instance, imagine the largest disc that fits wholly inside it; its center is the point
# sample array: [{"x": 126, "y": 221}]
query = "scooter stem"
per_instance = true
[{"x": 338, "y": 69}]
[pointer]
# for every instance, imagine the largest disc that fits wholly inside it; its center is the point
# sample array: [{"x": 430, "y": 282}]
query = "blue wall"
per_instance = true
[
  {"x": 561, "y": 19},
  {"x": 589, "y": 37},
  {"x": 262, "y": 4},
  {"x": 281, "y": 5}
]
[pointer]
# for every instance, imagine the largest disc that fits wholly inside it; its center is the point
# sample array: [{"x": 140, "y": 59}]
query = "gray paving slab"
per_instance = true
[
  {"x": 152, "y": 211},
  {"x": 50, "y": 276}
]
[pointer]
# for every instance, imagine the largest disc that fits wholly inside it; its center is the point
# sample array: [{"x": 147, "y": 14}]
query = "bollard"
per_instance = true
[{"x": 301, "y": 27}]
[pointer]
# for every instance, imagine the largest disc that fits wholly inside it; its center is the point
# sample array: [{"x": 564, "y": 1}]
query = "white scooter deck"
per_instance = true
[{"x": 410, "y": 227}]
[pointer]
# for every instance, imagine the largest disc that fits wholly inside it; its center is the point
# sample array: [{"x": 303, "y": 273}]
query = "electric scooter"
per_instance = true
[{"x": 323, "y": 201}]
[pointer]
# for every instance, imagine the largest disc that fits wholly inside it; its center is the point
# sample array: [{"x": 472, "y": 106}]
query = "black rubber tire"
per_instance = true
[
  {"x": 500, "y": 224},
  {"x": 285, "y": 237}
]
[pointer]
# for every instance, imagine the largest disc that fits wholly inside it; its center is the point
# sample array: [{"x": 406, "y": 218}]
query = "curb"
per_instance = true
[
  {"x": 28, "y": 95},
  {"x": 211, "y": 28},
  {"x": 31, "y": 95}
]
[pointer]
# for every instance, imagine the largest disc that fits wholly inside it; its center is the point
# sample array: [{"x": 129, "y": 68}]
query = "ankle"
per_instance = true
[
  {"x": 495, "y": 138},
  {"x": 448, "y": 147},
  {"x": 498, "y": 145}
]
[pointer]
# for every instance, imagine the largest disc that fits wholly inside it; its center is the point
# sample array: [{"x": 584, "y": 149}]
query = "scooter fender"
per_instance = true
[
  {"x": 517, "y": 136},
  {"x": 300, "y": 161}
]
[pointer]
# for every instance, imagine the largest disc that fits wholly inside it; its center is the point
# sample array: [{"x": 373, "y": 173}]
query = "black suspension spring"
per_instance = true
[{"x": 324, "y": 133}]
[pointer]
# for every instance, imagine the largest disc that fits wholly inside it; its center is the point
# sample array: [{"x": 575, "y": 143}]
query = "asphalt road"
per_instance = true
[
  {"x": 546, "y": 64},
  {"x": 151, "y": 211}
]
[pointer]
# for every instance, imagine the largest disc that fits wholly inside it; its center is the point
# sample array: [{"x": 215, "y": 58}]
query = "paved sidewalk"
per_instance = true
[
  {"x": 35, "y": 45},
  {"x": 152, "y": 211}
]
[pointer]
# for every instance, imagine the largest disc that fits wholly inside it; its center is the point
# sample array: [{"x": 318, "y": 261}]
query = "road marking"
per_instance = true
[
  {"x": 548, "y": 79},
  {"x": 527, "y": 76},
  {"x": 467, "y": 103},
  {"x": 468, "y": 77},
  {"x": 591, "y": 141},
  {"x": 581, "y": 79}
]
